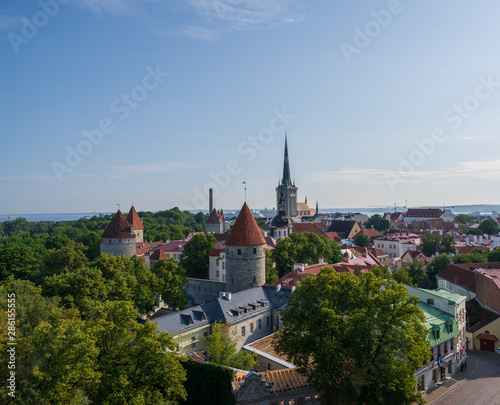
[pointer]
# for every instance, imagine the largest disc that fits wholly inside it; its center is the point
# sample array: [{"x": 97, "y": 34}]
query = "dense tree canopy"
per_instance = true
[
  {"x": 194, "y": 258},
  {"x": 363, "y": 241},
  {"x": 171, "y": 279},
  {"x": 304, "y": 247},
  {"x": 489, "y": 227},
  {"x": 433, "y": 243},
  {"x": 379, "y": 223},
  {"x": 355, "y": 338},
  {"x": 221, "y": 347}
]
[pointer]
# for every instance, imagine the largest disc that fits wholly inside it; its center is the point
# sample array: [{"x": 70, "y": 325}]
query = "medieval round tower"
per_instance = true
[
  {"x": 245, "y": 254},
  {"x": 119, "y": 237}
]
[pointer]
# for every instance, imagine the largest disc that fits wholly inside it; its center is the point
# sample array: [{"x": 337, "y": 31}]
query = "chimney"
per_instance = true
[
  {"x": 321, "y": 260},
  {"x": 467, "y": 242},
  {"x": 293, "y": 288},
  {"x": 210, "y": 200},
  {"x": 278, "y": 287},
  {"x": 475, "y": 239},
  {"x": 481, "y": 239}
]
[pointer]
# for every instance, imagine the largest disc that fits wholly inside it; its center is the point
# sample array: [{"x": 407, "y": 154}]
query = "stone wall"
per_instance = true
[
  {"x": 118, "y": 247},
  {"x": 245, "y": 267},
  {"x": 203, "y": 291}
]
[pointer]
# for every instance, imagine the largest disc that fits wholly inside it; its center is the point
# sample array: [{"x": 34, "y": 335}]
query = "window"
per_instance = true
[
  {"x": 254, "y": 251},
  {"x": 243, "y": 332},
  {"x": 430, "y": 301},
  {"x": 193, "y": 341},
  {"x": 216, "y": 274},
  {"x": 267, "y": 321},
  {"x": 239, "y": 252},
  {"x": 259, "y": 322},
  {"x": 251, "y": 327},
  {"x": 205, "y": 334},
  {"x": 269, "y": 366}
]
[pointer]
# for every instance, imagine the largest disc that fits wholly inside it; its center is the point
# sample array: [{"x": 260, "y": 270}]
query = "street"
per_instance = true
[{"x": 483, "y": 387}]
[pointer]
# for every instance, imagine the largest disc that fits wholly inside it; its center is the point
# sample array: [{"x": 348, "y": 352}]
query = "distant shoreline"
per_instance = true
[{"x": 484, "y": 209}]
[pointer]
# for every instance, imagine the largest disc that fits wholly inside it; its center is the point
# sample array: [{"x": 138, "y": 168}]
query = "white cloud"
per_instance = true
[
  {"x": 464, "y": 173},
  {"x": 154, "y": 168},
  {"x": 41, "y": 178},
  {"x": 203, "y": 19}
]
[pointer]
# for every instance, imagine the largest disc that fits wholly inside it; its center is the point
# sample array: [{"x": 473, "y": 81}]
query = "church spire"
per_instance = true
[{"x": 286, "y": 166}]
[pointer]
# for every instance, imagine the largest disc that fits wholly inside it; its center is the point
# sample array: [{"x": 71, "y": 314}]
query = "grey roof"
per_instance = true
[{"x": 242, "y": 305}]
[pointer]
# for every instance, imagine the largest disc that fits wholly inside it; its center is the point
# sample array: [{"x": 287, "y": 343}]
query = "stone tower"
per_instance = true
[
  {"x": 134, "y": 220},
  {"x": 119, "y": 237},
  {"x": 215, "y": 222},
  {"x": 245, "y": 254},
  {"x": 287, "y": 188},
  {"x": 281, "y": 226}
]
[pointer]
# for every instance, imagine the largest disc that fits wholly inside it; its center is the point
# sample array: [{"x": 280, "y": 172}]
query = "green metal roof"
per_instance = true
[
  {"x": 452, "y": 297},
  {"x": 435, "y": 320}
]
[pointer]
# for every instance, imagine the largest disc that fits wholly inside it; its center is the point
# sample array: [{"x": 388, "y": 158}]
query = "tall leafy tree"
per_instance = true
[
  {"x": 464, "y": 219},
  {"x": 194, "y": 258},
  {"x": 418, "y": 274},
  {"x": 137, "y": 364},
  {"x": 221, "y": 347},
  {"x": 363, "y": 241},
  {"x": 489, "y": 226},
  {"x": 379, "y": 223},
  {"x": 271, "y": 271},
  {"x": 171, "y": 279},
  {"x": 357, "y": 339},
  {"x": 304, "y": 247}
]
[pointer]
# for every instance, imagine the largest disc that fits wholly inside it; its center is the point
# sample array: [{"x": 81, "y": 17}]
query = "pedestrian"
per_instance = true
[{"x": 465, "y": 364}]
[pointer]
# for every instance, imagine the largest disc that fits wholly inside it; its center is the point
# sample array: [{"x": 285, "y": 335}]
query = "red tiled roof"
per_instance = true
[
  {"x": 158, "y": 254},
  {"x": 424, "y": 213},
  {"x": 144, "y": 247},
  {"x": 245, "y": 231},
  {"x": 369, "y": 232},
  {"x": 214, "y": 217},
  {"x": 463, "y": 273},
  {"x": 333, "y": 236},
  {"x": 133, "y": 219},
  {"x": 469, "y": 249},
  {"x": 118, "y": 228},
  {"x": 485, "y": 336},
  {"x": 307, "y": 227},
  {"x": 174, "y": 246}
]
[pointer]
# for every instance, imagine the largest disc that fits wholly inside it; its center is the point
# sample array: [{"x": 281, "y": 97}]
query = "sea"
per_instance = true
[{"x": 484, "y": 209}]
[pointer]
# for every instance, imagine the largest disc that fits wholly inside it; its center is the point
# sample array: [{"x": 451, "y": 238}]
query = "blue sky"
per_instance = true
[{"x": 382, "y": 101}]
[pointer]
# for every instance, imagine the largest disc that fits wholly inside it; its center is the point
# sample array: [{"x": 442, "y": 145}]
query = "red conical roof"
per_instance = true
[
  {"x": 118, "y": 228},
  {"x": 133, "y": 219},
  {"x": 245, "y": 231},
  {"x": 214, "y": 217}
]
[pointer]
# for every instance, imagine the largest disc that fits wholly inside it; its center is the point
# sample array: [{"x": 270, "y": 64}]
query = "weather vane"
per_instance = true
[{"x": 245, "y": 183}]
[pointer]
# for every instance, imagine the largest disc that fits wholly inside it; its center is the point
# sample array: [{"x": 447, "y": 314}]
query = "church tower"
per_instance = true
[
  {"x": 287, "y": 188},
  {"x": 245, "y": 254},
  {"x": 119, "y": 237},
  {"x": 281, "y": 226}
]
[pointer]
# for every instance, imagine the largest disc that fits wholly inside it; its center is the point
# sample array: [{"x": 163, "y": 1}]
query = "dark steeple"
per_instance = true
[{"x": 286, "y": 181}]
